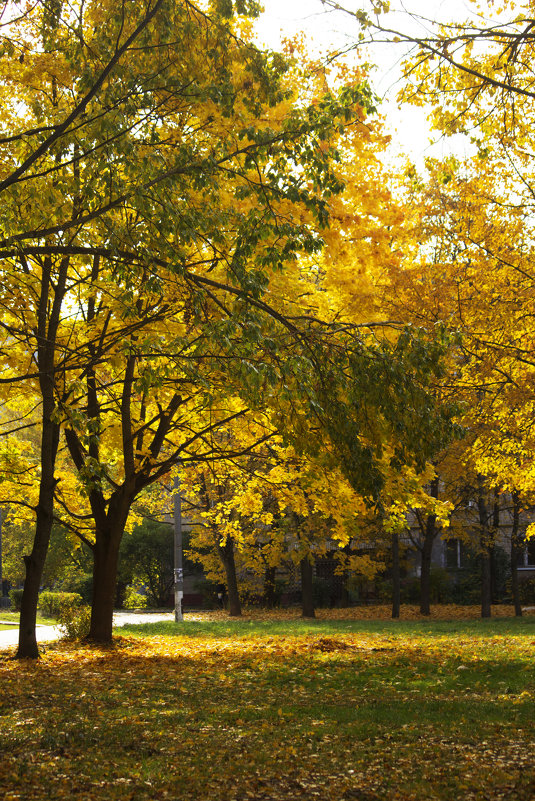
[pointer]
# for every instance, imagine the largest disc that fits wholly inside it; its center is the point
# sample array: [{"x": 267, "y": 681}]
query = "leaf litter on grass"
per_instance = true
[{"x": 353, "y": 715}]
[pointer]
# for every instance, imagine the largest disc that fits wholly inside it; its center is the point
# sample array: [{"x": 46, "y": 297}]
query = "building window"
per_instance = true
[{"x": 526, "y": 557}]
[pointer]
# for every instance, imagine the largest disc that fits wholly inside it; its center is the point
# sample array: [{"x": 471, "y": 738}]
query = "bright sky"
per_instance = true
[{"x": 326, "y": 30}]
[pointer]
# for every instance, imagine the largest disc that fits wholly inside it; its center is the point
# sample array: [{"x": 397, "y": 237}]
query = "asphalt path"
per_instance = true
[{"x": 10, "y": 637}]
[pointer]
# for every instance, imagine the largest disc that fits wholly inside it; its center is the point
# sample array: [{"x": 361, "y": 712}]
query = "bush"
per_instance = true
[
  {"x": 74, "y": 621},
  {"x": 208, "y": 590},
  {"x": 466, "y": 587},
  {"x": 526, "y": 591},
  {"x": 440, "y": 586},
  {"x": 52, "y": 604},
  {"x": 134, "y": 600},
  {"x": 409, "y": 591},
  {"x": 16, "y": 599},
  {"x": 81, "y": 583},
  {"x": 383, "y": 590},
  {"x": 321, "y": 592}
]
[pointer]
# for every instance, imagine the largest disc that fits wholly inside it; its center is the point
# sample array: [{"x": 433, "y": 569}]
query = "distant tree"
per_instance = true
[{"x": 146, "y": 558}]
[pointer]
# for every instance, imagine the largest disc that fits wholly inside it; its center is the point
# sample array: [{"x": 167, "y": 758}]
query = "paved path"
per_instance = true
[
  {"x": 10, "y": 637},
  {"x": 122, "y": 618}
]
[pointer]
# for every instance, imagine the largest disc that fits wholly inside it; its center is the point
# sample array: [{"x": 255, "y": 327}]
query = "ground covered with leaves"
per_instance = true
[{"x": 276, "y": 709}]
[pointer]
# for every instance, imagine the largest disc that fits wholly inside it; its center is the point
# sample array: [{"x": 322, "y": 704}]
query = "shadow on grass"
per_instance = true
[{"x": 228, "y": 713}]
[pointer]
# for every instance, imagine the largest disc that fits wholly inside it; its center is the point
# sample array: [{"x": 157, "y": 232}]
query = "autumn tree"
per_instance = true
[
  {"x": 272, "y": 509},
  {"x": 153, "y": 198},
  {"x": 168, "y": 170},
  {"x": 472, "y": 271},
  {"x": 119, "y": 162}
]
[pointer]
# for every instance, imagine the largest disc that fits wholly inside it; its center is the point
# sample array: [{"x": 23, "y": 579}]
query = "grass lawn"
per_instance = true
[
  {"x": 277, "y": 708},
  {"x": 6, "y": 616}
]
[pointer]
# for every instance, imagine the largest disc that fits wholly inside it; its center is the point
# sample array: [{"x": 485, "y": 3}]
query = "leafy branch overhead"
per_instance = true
[{"x": 196, "y": 236}]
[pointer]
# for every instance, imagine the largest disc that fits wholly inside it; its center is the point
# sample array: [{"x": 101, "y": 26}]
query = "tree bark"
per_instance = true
[
  {"x": 27, "y": 647},
  {"x": 105, "y": 565},
  {"x": 307, "y": 595},
  {"x": 425, "y": 576},
  {"x": 110, "y": 521},
  {"x": 226, "y": 554},
  {"x": 515, "y": 554},
  {"x": 430, "y": 533},
  {"x": 492, "y": 549},
  {"x": 396, "y": 582},
  {"x": 48, "y": 318},
  {"x": 484, "y": 543},
  {"x": 269, "y": 587}
]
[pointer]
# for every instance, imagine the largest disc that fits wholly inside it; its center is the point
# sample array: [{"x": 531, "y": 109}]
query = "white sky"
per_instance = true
[{"x": 326, "y": 30}]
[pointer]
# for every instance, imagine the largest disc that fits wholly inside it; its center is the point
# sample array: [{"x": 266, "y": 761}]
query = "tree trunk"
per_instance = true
[
  {"x": 345, "y": 597},
  {"x": 486, "y": 577},
  {"x": 30, "y": 596},
  {"x": 484, "y": 543},
  {"x": 269, "y": 587},
  {"x": 120, "y": 594},
  {"x": 396, "y": 583},
  {"x": 226, "y": 553},
  {"x": 494, "y": 590},
  {"x": 105, "y": 566},
  {"x": 425, "y": 576},
  {"x": 307, "y": 595},
  {"x": 48, "y": 317},
  {"x": 35, "y": 562},
  {"x": 111, "y": 520},
  {"x": 430, "y": 534},
  {"x": 515, "y": 554}
]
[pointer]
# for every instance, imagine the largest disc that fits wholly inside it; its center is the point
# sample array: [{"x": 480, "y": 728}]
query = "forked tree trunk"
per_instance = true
[
  {"x": 226, "y": 554},
  {"x": 396, "y": 579},
  {"x": 515, "y": 554},
  {"x": 307, "y": 594}
]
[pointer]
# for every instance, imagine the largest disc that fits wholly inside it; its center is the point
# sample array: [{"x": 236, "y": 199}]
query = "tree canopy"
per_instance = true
[{"x": 207, "y": 262}]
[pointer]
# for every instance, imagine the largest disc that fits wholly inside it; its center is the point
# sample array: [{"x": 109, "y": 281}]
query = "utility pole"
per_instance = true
[{"x": 179, "y": 571}]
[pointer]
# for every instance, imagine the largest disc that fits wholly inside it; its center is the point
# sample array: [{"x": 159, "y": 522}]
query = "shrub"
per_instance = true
[
  {"x": 52, "y": 604},
  {"x": 526, "y": 591},
  {"x": 16, "y": 599},
  {"x": 410, "y": 591},
  {"x": 208, "y": 590},
  {"x": 134, "y": 600},
  {"x": 321, "y": 592},
  {"x": 81, "y": 583},
  {"x": 74, "y": 621},
  {"x": 440, "y": 586}
]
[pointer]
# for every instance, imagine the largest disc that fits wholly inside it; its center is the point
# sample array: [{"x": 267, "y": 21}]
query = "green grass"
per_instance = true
[
  {"x": 397, "y": 629},
  {"x": 270, "y": 709},
  {"x": 7, "y": 616}
]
